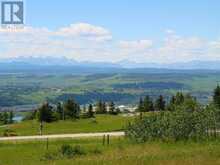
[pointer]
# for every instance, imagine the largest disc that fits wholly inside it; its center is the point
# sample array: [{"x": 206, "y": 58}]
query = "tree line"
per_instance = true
[
  {"x": 160, "y": 104},
  {"x": 71, "y": 110},
  {"x": 182, "y": 118},
  {"x": 6, "y": 117}
]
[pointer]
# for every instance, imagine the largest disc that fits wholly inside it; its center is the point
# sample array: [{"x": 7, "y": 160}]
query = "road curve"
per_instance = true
[{"x": 60, "y": 136}]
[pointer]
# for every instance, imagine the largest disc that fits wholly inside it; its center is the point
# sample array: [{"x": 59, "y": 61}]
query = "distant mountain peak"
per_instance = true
[{"x": 63, "y": 61}]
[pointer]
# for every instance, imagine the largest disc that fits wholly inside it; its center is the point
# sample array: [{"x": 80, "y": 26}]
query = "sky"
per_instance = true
[{"x": 133, "y": 30}]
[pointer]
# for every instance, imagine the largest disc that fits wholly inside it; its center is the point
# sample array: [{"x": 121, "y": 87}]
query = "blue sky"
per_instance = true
[
  {"x": 130, "y": 19},
  {"x": 134, "y": 30}
]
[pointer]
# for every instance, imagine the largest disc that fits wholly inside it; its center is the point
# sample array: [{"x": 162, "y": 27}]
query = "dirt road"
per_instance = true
[{"x": 60, "y": 136}]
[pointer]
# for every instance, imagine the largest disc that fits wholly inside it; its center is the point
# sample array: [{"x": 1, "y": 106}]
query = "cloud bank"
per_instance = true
[{"x": 86, "y": 42}]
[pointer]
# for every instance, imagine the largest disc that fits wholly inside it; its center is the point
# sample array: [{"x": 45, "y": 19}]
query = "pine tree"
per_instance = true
[
  {"x": 99, "y": 107},
  {"x": 90, "y": 111},
  {"x": 5, "y": 118},
  {"x": 1, "y": 118},
  {"x": 190, "y": 103},
  {"x": 151, "y": 106},
  {"x": 112, "y": 108},
  {"x": 45, "y": 113},
  {"x": 104, "y": 108},
  {"x": 71, "y": 109},
  {"x": 140, "y": 106},
  {"x": 11, "y": 116},
  {"x": 216, "y": 97},
  {"x": 60, "y": 111},
  {"x": 171, "y": 104},
  {"x": 173, "y": 100},
  {"x": 179, "y": 99},
  {"x": 84, "y": 109},
  {"x": 148, "y": 104},
  {"x": 160, "y": 103}
]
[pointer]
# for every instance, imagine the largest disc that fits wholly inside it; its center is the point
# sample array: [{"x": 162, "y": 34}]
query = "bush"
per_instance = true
[
  {"x": 9, "y": 132},
  {"x": 50, "y": 156},
  {"x": 178, "y": 125},
  {"x": 96, "y": 151},
  {"x": 69, "y": 151},
  {"x": 66, "y": 150}
]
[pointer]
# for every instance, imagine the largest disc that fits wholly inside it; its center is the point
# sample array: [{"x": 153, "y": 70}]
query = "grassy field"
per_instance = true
[
  {"x": 119, "y": 152},
  {"x": 102, "y": 123}
]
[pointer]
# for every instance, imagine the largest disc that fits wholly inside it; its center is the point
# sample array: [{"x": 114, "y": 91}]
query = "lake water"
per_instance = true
[{"x": 18, "y": 118}]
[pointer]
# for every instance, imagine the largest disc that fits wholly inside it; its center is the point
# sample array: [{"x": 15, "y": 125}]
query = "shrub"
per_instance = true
[
  {"x": 9, "y": 132},
  {"x": 69, "y": 151},
  {"x": 66, "y": 150},
  {"x": 77, "y": 150},
  {"x": 96, "y": 151},
  {"x": 178, "y": 125},
  {"x": 49, "y": 156}
]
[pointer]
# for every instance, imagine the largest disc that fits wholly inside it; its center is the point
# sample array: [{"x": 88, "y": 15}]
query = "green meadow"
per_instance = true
[
  {"x": 102, "y": 123},
  {"x": 120, "y": 151}
]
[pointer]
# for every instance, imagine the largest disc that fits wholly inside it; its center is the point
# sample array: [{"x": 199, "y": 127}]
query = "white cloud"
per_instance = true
[
  {"x": 215, "y": 44},
  {"x": 75, "y": 41},
  {"x": 134, "y": 50},
  {"x": 94, "y": 43},
  {"x": 178, "y": 48},
  {"x": 170, "y": 31},
  {"x": 136, "y": 45},
  {"x": 85, "y": 30}
]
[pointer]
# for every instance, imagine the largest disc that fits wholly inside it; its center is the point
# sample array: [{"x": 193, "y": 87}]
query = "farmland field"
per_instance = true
[{"x": 123, "y": 88}]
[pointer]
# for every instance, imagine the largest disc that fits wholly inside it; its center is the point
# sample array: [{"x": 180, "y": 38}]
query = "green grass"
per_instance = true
[
  {"x": 103, "y": 123},
  {"x": 119, "y": 152}
]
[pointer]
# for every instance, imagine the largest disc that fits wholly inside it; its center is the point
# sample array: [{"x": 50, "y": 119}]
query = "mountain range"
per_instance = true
[{"x": 26, "y": 62}]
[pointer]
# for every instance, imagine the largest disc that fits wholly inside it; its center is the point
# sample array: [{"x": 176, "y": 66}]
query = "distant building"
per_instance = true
[{"x": 129, "y": 109}]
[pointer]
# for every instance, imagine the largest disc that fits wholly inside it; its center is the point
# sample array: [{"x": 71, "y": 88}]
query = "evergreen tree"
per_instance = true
[
  {"x": 179, "y": 98},
  {"x": 11, "y": 116},
  {"x": 71, "y": 109},
  {"x": 5, "y": 118},
  {"x": 140, "y": 106},
  {"x": 151, "y": 106},
  {"x": 160, "y": 103},
  {"x": 90, "y": 111},
  {"x": 104, "y": 108},
  {"x": 173, "y": 100},
  {"x": 1, "y": 118},
  {"x": 176, "y": 101},
  {"x": 216, "y": 96},
  {"x": 84, "y": 109},
  {"x": 171, "y": 106},
  {"x": 45, "y": 113},
  {"x": 99, "y": 107},
  {"x": 112, "y": 108},
  {"x": 148, "y": 104},
  {"x": 60, "y": 111},
  {"x": 191, "y": 103}
]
